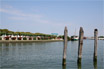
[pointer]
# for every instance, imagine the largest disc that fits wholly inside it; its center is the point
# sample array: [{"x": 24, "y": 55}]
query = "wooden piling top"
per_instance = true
[
  {"x": 65, "y": 29},
  {"x": 96, "y": 29},
  {"x": 81, "y": 29}
]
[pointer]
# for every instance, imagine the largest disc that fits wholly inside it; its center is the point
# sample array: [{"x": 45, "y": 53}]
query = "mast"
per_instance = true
[{"x": 75, "y": 32}]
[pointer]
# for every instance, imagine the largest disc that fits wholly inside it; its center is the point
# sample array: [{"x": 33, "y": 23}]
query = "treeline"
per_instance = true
[
  {"x": 101, "y": 36},
  {"x": 62, "y": 36},
  {"x": 8, "y": 32}
]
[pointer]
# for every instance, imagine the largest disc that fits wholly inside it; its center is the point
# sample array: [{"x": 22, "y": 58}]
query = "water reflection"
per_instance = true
[
  {"x": 63, "y": 66},
  {"x": 34, "y": 55},
  {"x": 95, "y": 64},
  {"x": 79, "y": 65}
]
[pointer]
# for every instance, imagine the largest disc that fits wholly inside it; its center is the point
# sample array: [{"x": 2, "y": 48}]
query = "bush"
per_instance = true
[
  {"x": 19, "y": 38},
  {"x": 7, "y": 38},
  {"x": 30, "y": 38},
  {"x": 42, "y": 38},
  {"x": 62, "y": 36},
  {"x": 34, "y": 38},
  {"x": 13, "y": 38},
  {"x": 39, "y": 39},
  {"x": 24, "y": 38},
  {"x": 45, "y": 38}
]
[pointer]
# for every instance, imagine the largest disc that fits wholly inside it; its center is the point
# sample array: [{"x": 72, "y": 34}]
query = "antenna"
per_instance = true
[{"x": 75, "y": 32}]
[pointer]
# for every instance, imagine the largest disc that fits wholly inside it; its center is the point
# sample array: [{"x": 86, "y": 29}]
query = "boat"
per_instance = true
[
  {"x": 100, "y": 38},
  {"x": 74, "y": 38}
]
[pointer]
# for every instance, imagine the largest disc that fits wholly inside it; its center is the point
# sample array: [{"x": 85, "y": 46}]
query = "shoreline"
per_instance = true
[{"x": 24, "y": 41}]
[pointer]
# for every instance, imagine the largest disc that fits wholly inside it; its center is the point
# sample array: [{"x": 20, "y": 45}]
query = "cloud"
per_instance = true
[
  {"x": 7, "y": 6},
  {"x": 13, "y": 12},
  {"x": 19, "y": 15},
  {"x": 35, "y": 18},
  {"x": 17, "y": 18},
  {"x": 18, "y": 12}
]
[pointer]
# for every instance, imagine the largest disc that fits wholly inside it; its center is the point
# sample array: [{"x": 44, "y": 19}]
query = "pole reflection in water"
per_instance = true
[
  {"x": 79, "y": 65},
  {"x": 95, "y": 64},
  {"x": 63, "y": 66},
  {"x": 0, "y": 54}
]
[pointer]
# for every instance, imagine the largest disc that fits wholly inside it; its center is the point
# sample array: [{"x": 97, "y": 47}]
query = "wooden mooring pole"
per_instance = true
[
  {"x": 65, "y": 46},
  {"x": 81, "y": 33},
  {"x": 95, "y": 44}
]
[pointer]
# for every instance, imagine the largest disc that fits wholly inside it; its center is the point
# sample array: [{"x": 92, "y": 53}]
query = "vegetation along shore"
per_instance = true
[{"x": 11, "y": 36}]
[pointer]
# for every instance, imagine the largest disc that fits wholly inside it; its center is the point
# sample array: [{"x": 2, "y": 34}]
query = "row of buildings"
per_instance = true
[{"x": 18, "y": 37}]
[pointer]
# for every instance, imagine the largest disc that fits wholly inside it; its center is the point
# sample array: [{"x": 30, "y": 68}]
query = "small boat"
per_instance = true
[
  {"x": 74, "y": 38},
  {"x": 100, "y": 38}
]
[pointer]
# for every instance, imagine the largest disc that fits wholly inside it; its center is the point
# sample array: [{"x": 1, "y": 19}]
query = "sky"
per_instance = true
[{"x": 51, "y": 16}]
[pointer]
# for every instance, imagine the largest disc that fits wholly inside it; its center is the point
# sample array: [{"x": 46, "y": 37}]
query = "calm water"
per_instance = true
[{"x": 48, "y": 55}]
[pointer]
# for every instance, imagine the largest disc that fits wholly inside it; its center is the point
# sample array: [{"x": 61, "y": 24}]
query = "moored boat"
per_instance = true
[{"x": 74, "y": 38}]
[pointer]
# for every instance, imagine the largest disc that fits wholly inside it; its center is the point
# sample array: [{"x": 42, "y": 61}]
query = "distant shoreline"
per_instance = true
[{"x": 12, "y": 41}]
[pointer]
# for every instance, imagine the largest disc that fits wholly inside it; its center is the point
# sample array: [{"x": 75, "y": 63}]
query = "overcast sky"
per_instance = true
[{"x": 52, "y": 16}]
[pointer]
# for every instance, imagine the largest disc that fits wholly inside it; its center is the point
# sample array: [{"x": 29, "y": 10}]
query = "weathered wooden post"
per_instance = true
[
  {"x": 95, "y": 44},
  {"x": 65, "y": 46},
  {"x": 81, "y": 33}
]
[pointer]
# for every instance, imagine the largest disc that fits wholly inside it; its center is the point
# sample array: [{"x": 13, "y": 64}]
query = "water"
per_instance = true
[{"x": 48, "y": 55}]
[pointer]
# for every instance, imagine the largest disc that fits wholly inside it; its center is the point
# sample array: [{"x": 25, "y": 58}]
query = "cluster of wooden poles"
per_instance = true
[{"x": 80, "y": 45}]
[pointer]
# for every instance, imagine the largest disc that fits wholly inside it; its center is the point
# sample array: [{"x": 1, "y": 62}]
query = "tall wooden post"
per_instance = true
[
  {"x": 65, "y": 46},
  {"x": 81, "y": 33},
  {"x": 95, "y": 44}
]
